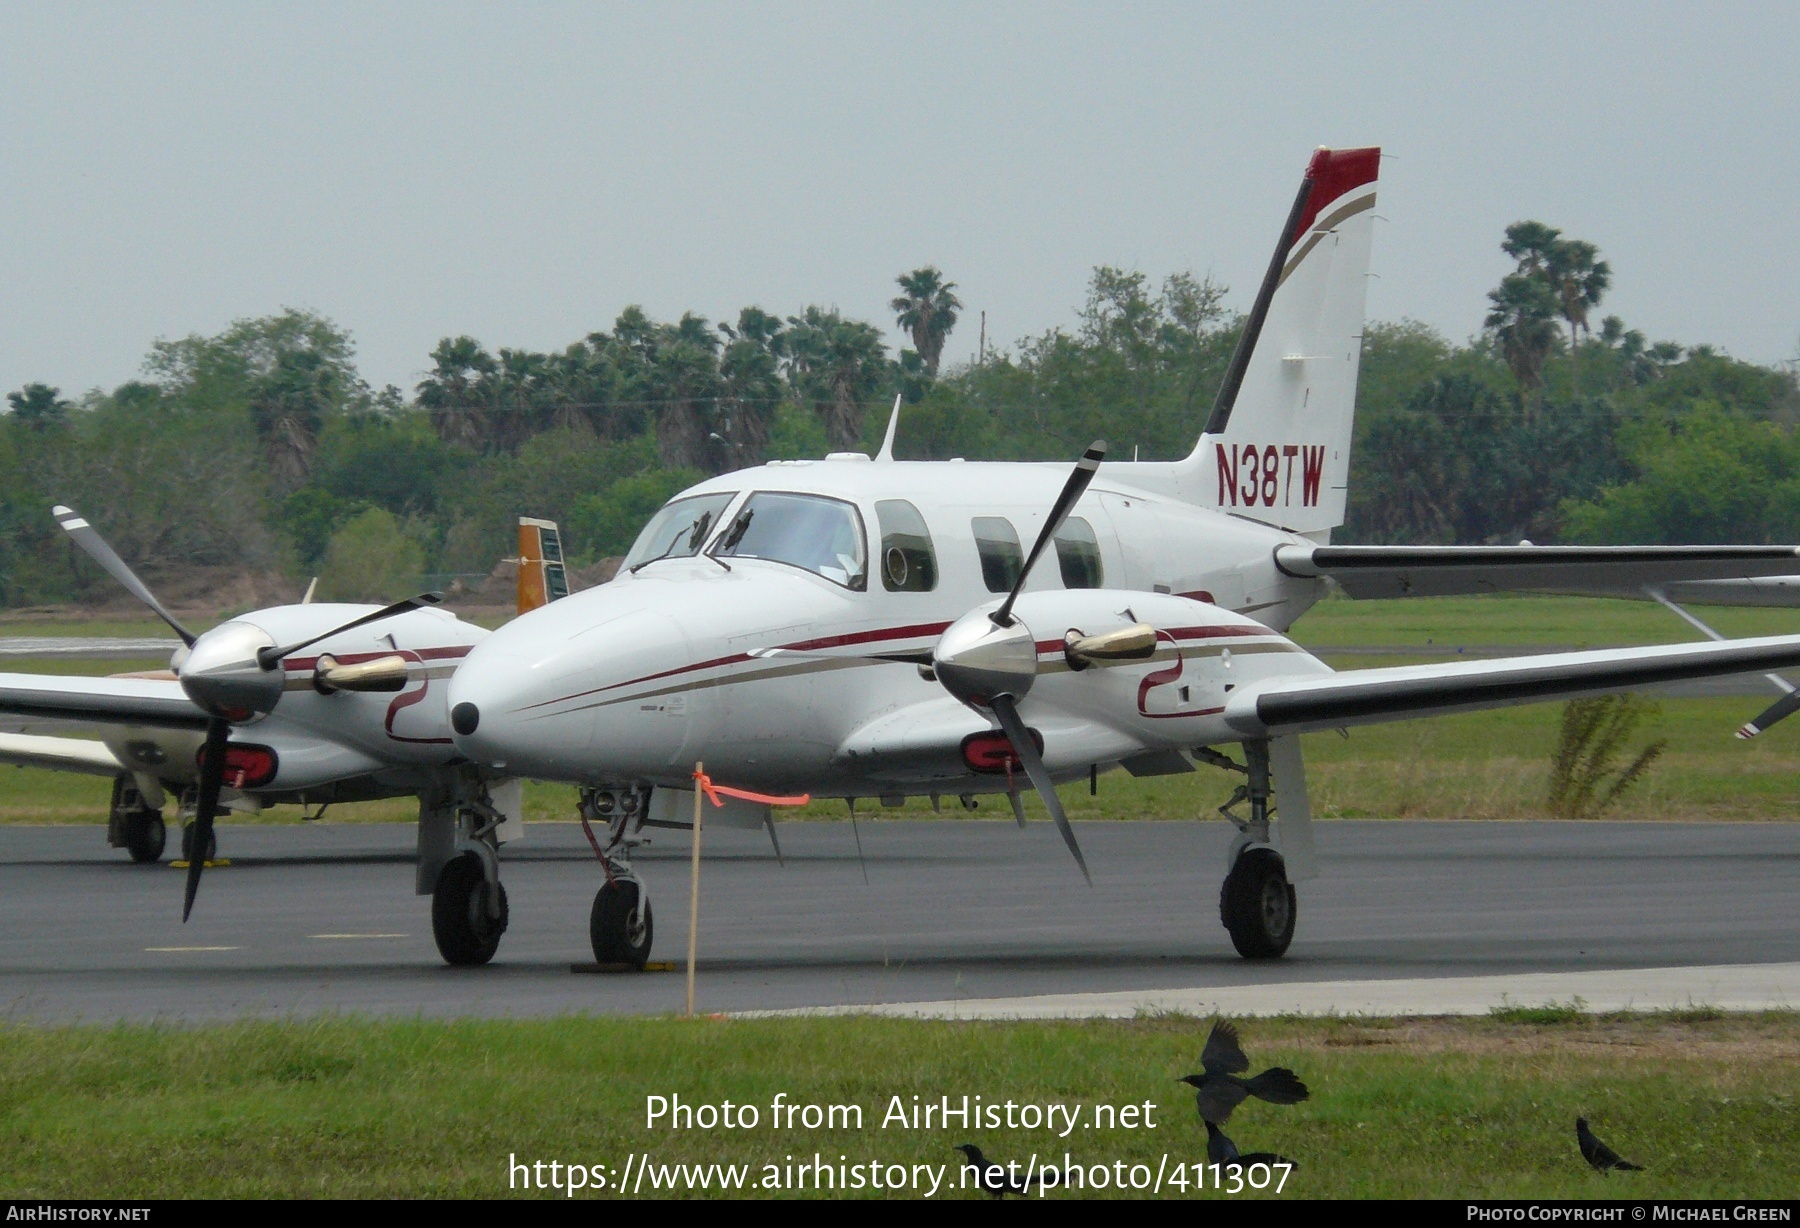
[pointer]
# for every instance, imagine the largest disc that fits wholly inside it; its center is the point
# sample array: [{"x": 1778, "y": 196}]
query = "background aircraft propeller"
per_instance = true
[
  {"x": 84, "y": 536},
  {"x": 229, "y": 674},
  {"x": 271, "y": 656},
  {"x": 212, "y": 779}
]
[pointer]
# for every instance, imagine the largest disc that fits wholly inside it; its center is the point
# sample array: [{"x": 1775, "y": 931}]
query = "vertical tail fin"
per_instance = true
[
  {"x": 1276, "y": 447},
  {"x": 542, "y": 577}
]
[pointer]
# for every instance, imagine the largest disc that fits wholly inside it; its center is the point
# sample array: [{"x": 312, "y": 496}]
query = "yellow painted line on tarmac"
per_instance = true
[
  {"x": 211, "y": 865},
  {"x": 652, "y": 966},
  {"x": 336, "y": 936},
  {"x": 193, "y": 948}
]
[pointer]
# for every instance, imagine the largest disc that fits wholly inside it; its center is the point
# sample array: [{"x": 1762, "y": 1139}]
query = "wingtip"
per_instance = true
[{"x": 1747, "y": 731}]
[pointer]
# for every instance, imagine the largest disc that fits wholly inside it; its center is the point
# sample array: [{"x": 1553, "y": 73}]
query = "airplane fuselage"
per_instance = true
[{"x": 763, "y": 668}]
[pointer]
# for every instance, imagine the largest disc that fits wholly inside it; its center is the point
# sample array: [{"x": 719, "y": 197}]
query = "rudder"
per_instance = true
[{"x": 1276, "y": 447}]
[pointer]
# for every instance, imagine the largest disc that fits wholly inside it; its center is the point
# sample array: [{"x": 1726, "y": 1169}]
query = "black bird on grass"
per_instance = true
[
  {"x": 1603, "y": 1158},
  {"x": 1219, "y": 1090},
  {"x": 1221, "y": 1150},
  {"x": 994, "y": 1178}
]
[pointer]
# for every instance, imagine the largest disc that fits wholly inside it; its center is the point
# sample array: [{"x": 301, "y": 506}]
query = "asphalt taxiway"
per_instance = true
[{"x": 322, "y": 918}]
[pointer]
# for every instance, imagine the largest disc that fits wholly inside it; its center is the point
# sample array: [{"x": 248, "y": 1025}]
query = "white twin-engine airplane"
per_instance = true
[
  {"x": 361, "y": 715},
  {"x": 878, "y": 629}
]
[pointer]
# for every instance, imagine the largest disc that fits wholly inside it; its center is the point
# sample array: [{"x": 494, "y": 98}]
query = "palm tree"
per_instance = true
[
  {"x": 459, "y": 366},
  {"x": 837, "y": 366},
  {"x": 1532, "y": 245},
  {"x": 928, "y": 311},
  {"x": 1523, "y": 321},
  {"x": 1580, "y": 281}
]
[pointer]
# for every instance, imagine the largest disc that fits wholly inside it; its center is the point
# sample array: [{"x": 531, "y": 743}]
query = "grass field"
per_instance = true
[
  {"x": 1490, "y": 765},
  {"x": 1419, "y": 1108}
]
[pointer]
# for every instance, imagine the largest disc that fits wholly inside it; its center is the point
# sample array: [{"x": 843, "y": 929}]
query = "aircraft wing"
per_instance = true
[
  {"x": 108, "y": 701},
  {"x": 1372, "y": 696},
  {"x": 63, "y": 754},
  {"x": 1590, "y": 571}
]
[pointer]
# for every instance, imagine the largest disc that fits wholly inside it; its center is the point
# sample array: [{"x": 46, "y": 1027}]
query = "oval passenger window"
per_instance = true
[{"x": 908, "y": 563}]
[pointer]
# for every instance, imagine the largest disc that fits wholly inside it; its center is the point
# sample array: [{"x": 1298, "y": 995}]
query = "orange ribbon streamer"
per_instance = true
[{"x": 714, "y": 791}]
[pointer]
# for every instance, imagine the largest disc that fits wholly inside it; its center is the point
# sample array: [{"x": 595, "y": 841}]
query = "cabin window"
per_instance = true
[
  {"x": 908, "y": 563},
  {"x": 823, "y": 536},
  {"x": 678, "y": 530},
  {"x": 1078, "y": 553},
  {"x": 1002, "y": 559}
]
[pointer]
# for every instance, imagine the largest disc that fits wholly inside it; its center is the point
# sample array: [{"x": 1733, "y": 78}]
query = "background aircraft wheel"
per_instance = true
[
  {"x": 466, "y": 935},
  {"x": 1257, "y": 905},
  {"x": 187, "y": 844},
  {"x": 145, "y": 835},
  {"x": 616, "y": 940}
]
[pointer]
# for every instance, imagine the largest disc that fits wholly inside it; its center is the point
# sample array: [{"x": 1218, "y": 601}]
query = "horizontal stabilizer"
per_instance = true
[
  {"x": 1374, "y": 696},
  {"x": 1372, "y": 572}
]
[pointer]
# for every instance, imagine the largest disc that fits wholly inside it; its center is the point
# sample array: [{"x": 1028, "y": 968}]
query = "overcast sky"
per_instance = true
[{"x": 521, "y": 172}]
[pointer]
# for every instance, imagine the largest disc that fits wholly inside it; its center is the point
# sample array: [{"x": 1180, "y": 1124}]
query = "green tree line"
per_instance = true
[{"x": 263, "y": 447}]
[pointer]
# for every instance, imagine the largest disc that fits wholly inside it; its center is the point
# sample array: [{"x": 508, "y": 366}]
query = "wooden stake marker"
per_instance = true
[{"x": 694, "y": 886}]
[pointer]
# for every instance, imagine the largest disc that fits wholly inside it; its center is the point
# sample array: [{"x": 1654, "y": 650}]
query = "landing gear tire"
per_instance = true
[
  {"x": 466, "y": 934},
  {"x": 616, "y": 939},
  {"x": 145, "y": 835},
  {"x": 1257, "y": 905},
  {"x": 187, "y": 844}
]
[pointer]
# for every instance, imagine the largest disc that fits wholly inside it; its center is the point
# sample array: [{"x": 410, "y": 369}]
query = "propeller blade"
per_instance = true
[
  {"x": 212, "y": 778},
  {"x": 1780, "y": 710},
  {"x": 1072, "y": 490},
  {"x": 1008, "y": 715},
  {"x": 96, "y": 548},
  {"x": 268, "y": 658}
]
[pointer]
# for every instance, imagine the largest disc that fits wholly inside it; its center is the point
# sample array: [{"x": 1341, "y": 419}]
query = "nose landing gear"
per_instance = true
[
  {"x": 620, "y": 925},
  {"x": 619, "y": 929}
]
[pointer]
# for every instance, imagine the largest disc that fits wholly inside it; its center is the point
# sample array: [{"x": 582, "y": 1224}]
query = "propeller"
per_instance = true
[
  {"x": 212, "y": 778},
  {"x": 230, "y": 672},
  {"x": 1072, "y": 490},
  {"x": 271, "y": 656},
  {"x": 1007, "y": 713},
  {"x": 84, "y": 536},
  {"x": 1780, "y": 710},
  {"x": 991, "y": 662}
]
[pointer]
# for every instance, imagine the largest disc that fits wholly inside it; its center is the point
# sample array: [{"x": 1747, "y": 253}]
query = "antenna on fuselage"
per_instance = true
[{"x": 887, "y": 443}]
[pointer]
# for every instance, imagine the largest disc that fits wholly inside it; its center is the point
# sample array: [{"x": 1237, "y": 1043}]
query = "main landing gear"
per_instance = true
[
  {"x": 620, "y": 925},
  {"x": 1256, "y": 903},
  {"x": 468, "y": 905},
  {"x": 133, "y": 824}
]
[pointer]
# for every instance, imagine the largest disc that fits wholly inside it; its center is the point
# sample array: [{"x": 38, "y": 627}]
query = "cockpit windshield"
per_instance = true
[
  {"x": 678, "y": 531},
  {"x": 824, "y": 536}
]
